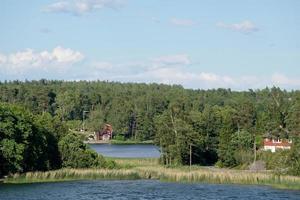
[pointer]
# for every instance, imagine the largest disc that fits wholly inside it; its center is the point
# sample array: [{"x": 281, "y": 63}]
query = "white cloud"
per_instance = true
[
  {"x": 2, "y": 59},
  {"x": 144, "y": 72},
  {"x": 168, "y": 69},
  {"x": 63, "y": 55},
  {"x": 167, "y": 60},
  {"x": 182, "y": 22},
  {"x": 79, "y": 7},
  {"x": 61, "y": 6},
  {"x": 283, "y": 80},
  {"x": 28, "y": 59},
  {"x": 187, "y": 78},
  {"x": 243, "y": 27}
]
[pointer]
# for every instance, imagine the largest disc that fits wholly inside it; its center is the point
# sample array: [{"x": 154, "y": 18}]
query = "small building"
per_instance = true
[
  {"x": 105, "y": 134},
  {"x": 276, "y": 144}
]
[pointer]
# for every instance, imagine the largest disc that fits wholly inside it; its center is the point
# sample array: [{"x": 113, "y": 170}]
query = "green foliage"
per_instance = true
[
  {"x": 76, "y": 154},
  {"x": 284, "y": 162},
  {"x": 11, "y": 156},
  {"x": 40, "y": 142},
  {"x": 176, "y": 137},
  {"x": 293, "y": 161},
  {"x": 176, "y": 118},
  {"x": 225, "y": 151},
  {"x": 74, "y": 124},
  {"x": 275, "y": 161},
  {"x": 24, "y": 144},
  {"x": 119, "y": 137}
]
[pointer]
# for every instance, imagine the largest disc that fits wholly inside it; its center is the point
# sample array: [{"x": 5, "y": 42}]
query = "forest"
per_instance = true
[{"x": 206, "y": 127}]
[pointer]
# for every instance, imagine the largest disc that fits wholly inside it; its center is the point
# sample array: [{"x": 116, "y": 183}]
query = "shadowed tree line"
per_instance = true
[{"x": 39, "y": 142}]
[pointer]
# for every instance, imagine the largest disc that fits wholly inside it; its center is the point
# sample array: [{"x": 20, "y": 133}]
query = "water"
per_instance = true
[
  {"x": 139, "y": 189},
  {"x": 127, "y": 151}
]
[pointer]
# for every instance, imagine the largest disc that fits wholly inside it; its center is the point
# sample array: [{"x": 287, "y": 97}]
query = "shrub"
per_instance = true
[{"x": 76, "y": 154}]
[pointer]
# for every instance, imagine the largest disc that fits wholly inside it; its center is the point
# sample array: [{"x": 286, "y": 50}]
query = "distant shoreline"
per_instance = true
[
  {"x": 118, "y": 142},
  {"x": 96, "y": 142}
]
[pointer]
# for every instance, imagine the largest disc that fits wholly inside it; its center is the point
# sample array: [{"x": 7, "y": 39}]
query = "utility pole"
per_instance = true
[
  {"x": 254, "y": 146},
  {"x": 190, "y": 156}
]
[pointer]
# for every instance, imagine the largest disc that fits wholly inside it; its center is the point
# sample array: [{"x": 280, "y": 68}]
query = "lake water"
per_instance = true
[
  {"x": 139, "y": 189},
  {"x": 127, "y": 151}
]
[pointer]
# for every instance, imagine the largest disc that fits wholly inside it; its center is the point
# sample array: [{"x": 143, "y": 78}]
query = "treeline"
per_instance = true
[
  {"x": 40, "y": 142},
  {"x": 219, "y": 125}
]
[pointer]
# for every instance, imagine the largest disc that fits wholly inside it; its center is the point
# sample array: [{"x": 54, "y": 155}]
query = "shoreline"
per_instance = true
[
  {"x": 134, "y": 175},
  {"x": 118, "y": 142},
  {"x": 136, "y": 169}
]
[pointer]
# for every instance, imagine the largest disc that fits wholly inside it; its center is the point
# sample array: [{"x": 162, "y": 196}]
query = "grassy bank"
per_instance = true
[{"x": 149, "y": 169}]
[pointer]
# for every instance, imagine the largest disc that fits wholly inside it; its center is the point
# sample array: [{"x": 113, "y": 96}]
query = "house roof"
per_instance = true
[{"x": 277, "y": 144}]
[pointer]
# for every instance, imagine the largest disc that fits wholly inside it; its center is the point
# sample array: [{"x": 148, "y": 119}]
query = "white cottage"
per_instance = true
[{"x": 273, "y": 145}]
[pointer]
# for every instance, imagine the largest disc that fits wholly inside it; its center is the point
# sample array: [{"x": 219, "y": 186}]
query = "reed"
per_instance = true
[
  {"x": 225, "y": 177},
  {"x": 72, "y": 174},
  {"x": 150, "y": 169},
  {"x": 135, "y": 162}
]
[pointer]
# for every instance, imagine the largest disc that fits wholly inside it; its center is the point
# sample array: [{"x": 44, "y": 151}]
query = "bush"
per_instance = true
[
  {"x": 283, "y": 161},
  {"x": 76, "y": 154},
  {"x": 25, "y": 145},
  {"x": 119, "y": 137},
  {"x": 40, "y": 142},
  {"x": 294, "y": 159}
]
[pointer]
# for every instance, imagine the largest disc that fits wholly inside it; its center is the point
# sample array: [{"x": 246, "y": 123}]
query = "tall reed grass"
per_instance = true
[
  {"x": 219, "y": 176},
  {"x": 150, "y": 169},
  {"x": 72, "y": 174}
]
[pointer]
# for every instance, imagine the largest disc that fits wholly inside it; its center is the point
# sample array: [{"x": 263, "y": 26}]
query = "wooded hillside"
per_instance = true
[{"x": 220, "y": 125}]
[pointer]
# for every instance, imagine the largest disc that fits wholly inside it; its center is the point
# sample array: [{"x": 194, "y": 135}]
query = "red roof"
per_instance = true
[{"x": 276, "y": 144}]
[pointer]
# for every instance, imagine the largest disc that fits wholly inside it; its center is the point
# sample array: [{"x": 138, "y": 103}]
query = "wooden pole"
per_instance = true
[
  {"x": 190, "y": 156},
  {"x": 254, "y": 148}
]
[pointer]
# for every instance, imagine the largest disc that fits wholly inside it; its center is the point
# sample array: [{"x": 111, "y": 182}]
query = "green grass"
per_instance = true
[{"x": 150, "y": 169}]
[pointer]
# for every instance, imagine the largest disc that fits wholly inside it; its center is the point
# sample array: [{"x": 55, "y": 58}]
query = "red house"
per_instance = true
[{"x": 105, "y": 134}]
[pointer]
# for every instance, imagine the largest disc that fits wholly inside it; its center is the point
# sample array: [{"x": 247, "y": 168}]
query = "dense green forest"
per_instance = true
[
  {"x": 40, "y": 142},
  {"x": 217, "y": 126}
]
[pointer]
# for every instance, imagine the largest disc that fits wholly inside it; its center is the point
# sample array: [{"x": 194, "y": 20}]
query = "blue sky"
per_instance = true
[{"x": 239, "y": 44}]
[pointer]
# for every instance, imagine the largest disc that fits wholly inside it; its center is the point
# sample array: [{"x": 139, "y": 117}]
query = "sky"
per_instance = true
[{"x": 200, "y": 44}]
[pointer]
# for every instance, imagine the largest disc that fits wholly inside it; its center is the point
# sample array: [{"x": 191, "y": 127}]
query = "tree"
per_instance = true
[
  {"x": 293, "y": 162},
  {"x": 23, "y": 145},
  {"x": 76, "y": 154},
  {"x": 169, "y": 114},
  {"x": 39, "y": 142},
  {"x": 293, "y": 117},
  {"x": 228, "y": 128},
  {"x": 241, "y": 145}
]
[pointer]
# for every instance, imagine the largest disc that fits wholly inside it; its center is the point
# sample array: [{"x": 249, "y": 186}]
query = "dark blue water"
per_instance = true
[
  {"x": 127, "y": 151},
  {"x": 139, "y": 189}
]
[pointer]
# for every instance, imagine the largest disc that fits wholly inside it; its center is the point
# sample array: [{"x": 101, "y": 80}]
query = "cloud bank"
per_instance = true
[
  {"x": 79, "y": 7},
  {"x": 63, "y": 63},
  {"x": 29, "y": 59}
]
